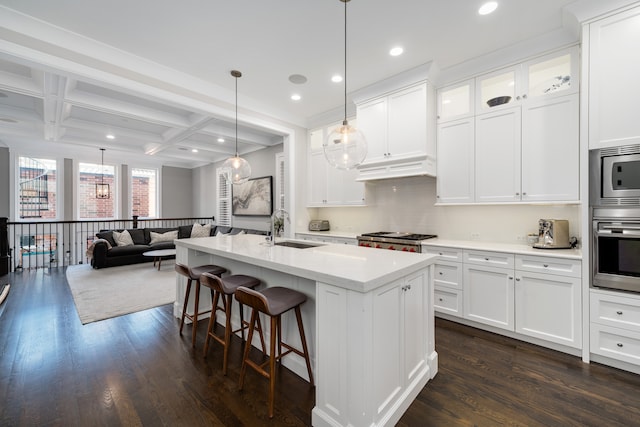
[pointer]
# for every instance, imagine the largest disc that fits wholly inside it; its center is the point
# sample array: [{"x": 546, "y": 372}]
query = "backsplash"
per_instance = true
[{"x": 407, "y": 204}]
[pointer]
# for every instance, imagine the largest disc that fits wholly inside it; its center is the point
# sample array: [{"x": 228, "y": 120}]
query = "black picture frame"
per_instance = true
[{"x": 253, "y": 198}]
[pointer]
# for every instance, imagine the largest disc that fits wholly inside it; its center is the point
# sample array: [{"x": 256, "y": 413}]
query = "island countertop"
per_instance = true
[{"x": 347, "y": 266}]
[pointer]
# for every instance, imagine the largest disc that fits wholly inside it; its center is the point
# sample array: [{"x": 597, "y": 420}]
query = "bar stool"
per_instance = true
[
  {"x": 226, "y": 287},
  {"x": 194, "y": 273},
  {"x": 273, "y": 302}
]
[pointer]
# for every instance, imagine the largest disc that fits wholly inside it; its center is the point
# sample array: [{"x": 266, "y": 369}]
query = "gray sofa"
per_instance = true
[{"x": 104, "y": 256}]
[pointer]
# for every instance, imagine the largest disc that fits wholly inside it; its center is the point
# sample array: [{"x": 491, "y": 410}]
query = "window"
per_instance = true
[
  {"x": 37, "y": 180},
  {"x": 91, "y": 207},
  {"x": 223, "y": 196},
  {"x": 144, "y": 192}
]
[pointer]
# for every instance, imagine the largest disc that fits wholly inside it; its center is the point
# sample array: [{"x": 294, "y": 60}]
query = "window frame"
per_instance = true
[
  {"x": 15, "y": 191},
  {"x": 115, "y": 193},
  {"x": 158, "y": 203}
]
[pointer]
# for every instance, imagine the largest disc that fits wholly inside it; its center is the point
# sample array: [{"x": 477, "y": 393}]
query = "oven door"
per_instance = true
[{"x": 616, "y": 255}]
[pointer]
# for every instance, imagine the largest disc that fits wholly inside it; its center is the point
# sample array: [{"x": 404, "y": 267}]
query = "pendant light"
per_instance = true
[
  {"x": 239, "y": 167},
  {"x": 102, "y": 189},
  {"x": 345, "y": 147}
]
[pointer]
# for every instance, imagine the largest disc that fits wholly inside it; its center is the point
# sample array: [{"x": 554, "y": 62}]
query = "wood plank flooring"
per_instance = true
[{"x": 136, "y": 370}]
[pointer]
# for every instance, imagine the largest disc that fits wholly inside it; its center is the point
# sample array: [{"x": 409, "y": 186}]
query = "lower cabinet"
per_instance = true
[
  {"x": 534, "y": 296},
  {"x": 615, "y": 325}
]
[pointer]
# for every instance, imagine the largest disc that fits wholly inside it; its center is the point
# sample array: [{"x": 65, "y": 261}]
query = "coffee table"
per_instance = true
[{"x": 159, "y": 254}]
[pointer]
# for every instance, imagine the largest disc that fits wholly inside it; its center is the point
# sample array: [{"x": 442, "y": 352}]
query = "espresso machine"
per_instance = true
[{"x": 553, "y": 234}]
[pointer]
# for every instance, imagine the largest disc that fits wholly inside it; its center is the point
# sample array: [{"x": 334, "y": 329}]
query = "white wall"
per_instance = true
[
  {"x": 407, "y": 204},
  {"x": 177, "y": 197},
  {"x": 263, "y": 163}
]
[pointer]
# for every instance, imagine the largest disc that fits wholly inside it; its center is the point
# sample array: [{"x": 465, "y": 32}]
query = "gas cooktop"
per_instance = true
[{"x": 399, "y": 235}]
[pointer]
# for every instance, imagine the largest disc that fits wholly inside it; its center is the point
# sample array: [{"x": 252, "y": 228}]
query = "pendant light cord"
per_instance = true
[
  {"x": 345, "y": 60},
  {"x": 236, "y": 115},
  {"x": 102, "y": 167}
]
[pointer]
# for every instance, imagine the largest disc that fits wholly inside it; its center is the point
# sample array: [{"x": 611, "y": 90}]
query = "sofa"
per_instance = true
[{"x": 107, "y": 252}]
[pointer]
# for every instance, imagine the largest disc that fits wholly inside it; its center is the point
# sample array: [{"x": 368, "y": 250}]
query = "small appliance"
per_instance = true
[
  {"x": 553, "y": 234},
  {"x": 319, "y": 225},
  {"x": 614, "y": 174}
]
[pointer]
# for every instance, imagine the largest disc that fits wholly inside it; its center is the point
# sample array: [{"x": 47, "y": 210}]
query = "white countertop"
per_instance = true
[
  {"x": 347, "y": 266},
  {"x": 505, "y": 247}
]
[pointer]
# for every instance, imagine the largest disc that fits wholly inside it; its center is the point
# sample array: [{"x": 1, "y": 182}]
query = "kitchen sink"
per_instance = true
[{"x": 297, "y": 245}]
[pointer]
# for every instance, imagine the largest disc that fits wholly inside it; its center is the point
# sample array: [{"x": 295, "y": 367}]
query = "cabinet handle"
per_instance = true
[
  {"x": 439, "y": 253},
  {"x": 486, "y": 259},
  {"x": 545, "y": 265},
  {"x": 517, "y": 194},
  {"x": 524, "y": 194},
  {"x": 510, "y": 277},
  {"x": 620, "y": 345},
  {"x": 440, "y": 299},
  {"x": 518, "y": 97},
  {"x": 619, "y": 313},
  {"x": 517, "y": 279},
  {"x": 524, "y": 96},
  {"x": 440, "y": 273},
  {"x": 408, "y": 287}
]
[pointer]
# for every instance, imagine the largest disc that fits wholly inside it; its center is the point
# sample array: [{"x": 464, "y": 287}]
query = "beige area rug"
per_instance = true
[{"x": 114, "y": 291}]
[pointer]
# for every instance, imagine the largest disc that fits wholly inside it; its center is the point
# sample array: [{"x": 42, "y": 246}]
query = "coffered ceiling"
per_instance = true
[{"x": 155, "y": 73}]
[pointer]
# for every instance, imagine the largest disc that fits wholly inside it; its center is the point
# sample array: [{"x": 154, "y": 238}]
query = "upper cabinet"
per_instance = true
[
  {"x": 614, "y": 67},
  {"x": 548, "y": 76},
  {"x": 522, "y": 145},
  {"x": 398, "y": 122},
  {"x": 327, "y": 185},
  {"x": 456, "y": 101}
]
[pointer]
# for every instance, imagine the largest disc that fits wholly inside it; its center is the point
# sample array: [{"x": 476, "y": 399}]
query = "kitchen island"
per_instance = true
[{"x": 369, "y": 319}]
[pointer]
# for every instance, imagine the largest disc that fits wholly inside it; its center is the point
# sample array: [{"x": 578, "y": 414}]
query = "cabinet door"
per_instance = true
[
  {"x": 456, "y": 161},
  {"x": 549, "y": 307},
  {"x": 407, "y": 115},
  {"x": 372, "y": 120},
  {"x": 497, "y": 90},
  {"x": 456, "y": 101},
  {"x": 415, "y": 326},
  {"x": 498, "y": 156},
  {"x": 317, "y": 179},
  {"x": 488, "y": 296},
  {"x": 614, "y": 67},
  {"x": 550, "y": 149},
  {"x": 551, "y": 75}
]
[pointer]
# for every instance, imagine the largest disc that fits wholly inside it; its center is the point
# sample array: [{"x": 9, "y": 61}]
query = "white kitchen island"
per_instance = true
[{"x": 369, "y": 319}]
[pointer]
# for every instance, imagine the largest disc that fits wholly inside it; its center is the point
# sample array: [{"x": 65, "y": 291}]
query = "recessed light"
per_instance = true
[
  {"x": 221, "y": 140},
  {"x": 110, "y": 136},
  {"x": 194, "y": 150},
  {"x": 336, "y": 78},
  {"x": 396, "y": 51},
  {"x": 488, "y": 7},
  {"x": 296, "y": 97}
]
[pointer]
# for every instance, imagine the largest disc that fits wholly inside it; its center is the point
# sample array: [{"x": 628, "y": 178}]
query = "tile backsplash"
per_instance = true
[{"x": 407, "y": 204}]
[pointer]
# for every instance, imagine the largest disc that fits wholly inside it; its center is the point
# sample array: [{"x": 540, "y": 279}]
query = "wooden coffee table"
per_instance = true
[{"x": 159, "y": 254}]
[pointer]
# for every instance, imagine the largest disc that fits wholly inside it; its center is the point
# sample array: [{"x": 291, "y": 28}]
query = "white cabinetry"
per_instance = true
[
  {"x": 525, "y": 149},
  {"x": 390, "y": 338},
  {"x": 548, "y": 299},
  {"x": 329, "y": 186},
  {"x": 488, "y": 288},
  {"x": 400, "y": 133},
  {"x": 615, "y": 326},
  {"x": 614, "y": 67},
  {"x": 447, "y": 280},
  {"x": 327, "y": 238}
]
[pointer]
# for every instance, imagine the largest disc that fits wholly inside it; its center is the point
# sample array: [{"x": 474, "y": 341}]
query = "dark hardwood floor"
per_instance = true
[{"x": 136, "y": 370}]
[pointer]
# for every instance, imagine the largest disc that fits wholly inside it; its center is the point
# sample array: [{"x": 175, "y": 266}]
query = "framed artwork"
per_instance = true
[{"x": 254, "y": 197}]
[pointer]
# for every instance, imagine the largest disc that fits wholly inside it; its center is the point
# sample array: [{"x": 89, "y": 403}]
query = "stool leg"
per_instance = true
[
  {"x": 275, "y": 326},
  {"x": 304, "y": 343},
  {"x": 212, "y": 321},
  {"x": 184, "y": 306},
  {"x": 259, "y": 328},
  {"x": 227, "y": 331},
  {"x": 196, "y": 307},
  {"x": 247, "y": 347}
]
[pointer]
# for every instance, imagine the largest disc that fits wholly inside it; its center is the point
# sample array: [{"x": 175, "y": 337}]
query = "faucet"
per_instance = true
[{"x": 283, "y": 214}]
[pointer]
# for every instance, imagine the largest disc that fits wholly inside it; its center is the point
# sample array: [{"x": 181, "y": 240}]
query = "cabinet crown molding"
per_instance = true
[{"x": 421, "y": 73}]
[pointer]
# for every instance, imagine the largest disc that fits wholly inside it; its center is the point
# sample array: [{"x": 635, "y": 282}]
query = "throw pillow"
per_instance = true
[
  {"x": 220, "y": 233},
  {"x": 169, "y": 236},
  {"x": 123, "y": 239},
  {"x": 200, "y": 230}
]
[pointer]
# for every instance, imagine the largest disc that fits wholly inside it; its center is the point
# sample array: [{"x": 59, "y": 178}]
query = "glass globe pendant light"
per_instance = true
[
  {"x": 345, "y": 146},
  {"x": 240, "y": 168}
]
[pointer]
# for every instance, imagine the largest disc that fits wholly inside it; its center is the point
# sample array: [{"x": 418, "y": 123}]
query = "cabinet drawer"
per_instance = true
[
  {"x": 616, "y": 311},
  {"x": 494, "y": 259},
  {"x": 448, "y": 274},
  {"x": 448, "y": 254},
  {"x": 559, "y": 266},
  {"x": 447, "y": 300},
  {"x": 615, "y": 343}
]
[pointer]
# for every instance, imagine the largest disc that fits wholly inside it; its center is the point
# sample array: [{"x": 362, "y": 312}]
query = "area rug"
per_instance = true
[{"x": 114, "y": 291}]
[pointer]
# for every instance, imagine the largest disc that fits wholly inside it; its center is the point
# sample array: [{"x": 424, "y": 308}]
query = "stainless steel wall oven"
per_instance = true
[{"x": 616, "y": 248}]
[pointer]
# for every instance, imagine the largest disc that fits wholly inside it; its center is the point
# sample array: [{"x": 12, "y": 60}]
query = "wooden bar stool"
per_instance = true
[
  {"x": 194, "y": 273},
  {"x": 273, "y": 302},
  {"x": 226, "y": 287}
]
